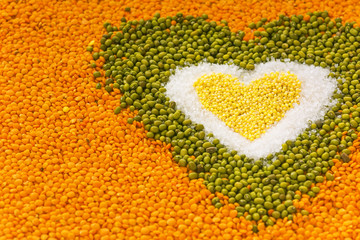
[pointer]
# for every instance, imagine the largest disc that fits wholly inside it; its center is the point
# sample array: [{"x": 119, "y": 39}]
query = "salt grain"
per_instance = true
[{"x": 315, "y": 99}]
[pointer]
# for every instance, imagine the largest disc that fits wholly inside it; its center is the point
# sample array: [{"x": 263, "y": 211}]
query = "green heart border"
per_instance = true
[{"x": 141, "y": 55}]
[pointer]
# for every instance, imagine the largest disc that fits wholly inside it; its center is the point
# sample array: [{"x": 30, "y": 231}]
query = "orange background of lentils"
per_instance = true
[{"x": 88, "y": 174}]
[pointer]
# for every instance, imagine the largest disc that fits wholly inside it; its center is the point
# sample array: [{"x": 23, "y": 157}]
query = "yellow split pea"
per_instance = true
[{"x": 249, "y": 109}]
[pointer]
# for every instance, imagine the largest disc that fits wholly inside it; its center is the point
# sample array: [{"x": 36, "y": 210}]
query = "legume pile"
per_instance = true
[{"x": 91, "y": 147}]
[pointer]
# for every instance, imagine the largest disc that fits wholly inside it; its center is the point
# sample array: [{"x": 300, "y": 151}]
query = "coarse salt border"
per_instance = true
[{"x": 315, "y": 100}]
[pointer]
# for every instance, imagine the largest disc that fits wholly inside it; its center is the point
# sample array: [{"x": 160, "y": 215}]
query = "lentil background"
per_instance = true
[{"x": 71, "y": 168}]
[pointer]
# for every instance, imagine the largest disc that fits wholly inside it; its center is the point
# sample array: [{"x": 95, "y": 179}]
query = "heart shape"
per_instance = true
[
  {"x": 314, "y": 101},
  {"x": 249, "y": 109}
]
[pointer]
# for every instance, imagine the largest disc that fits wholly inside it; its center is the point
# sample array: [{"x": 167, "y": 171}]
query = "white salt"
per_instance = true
[{"x": 315, "y": 99}]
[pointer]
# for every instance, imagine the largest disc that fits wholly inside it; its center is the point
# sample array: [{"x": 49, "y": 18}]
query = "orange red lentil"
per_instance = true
[{"x": 71, "y": 169}]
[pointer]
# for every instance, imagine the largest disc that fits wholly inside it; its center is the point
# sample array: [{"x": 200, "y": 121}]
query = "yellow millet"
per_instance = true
[{"x": 249, "y": 109}]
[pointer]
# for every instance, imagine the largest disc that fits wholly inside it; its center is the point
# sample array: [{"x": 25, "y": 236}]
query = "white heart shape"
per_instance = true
[{"x": 315, "y": 99}]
